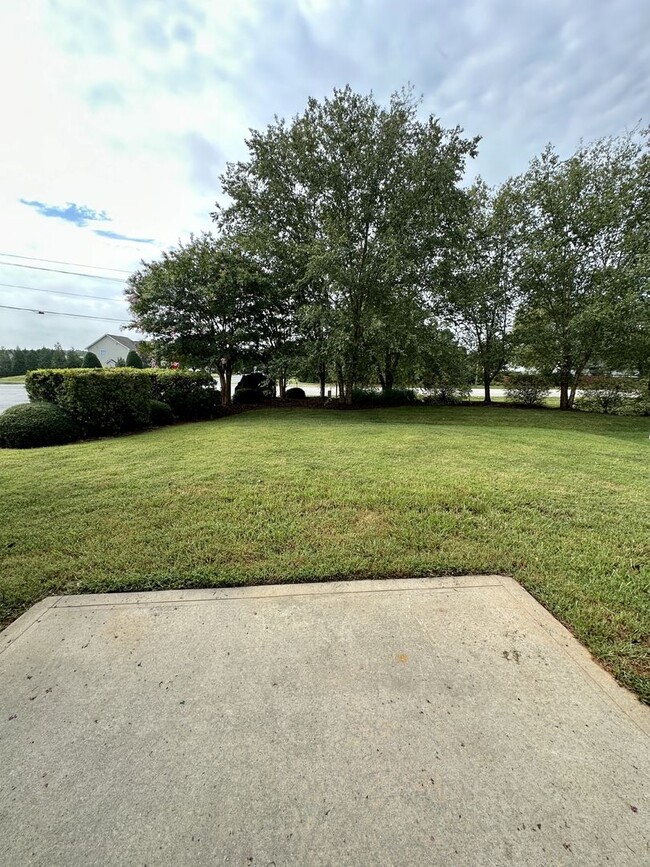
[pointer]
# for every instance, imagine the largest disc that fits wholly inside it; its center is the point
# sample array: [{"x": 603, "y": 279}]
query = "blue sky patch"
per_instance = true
[
  {"x": 80, "y": 215},
  {"x": 115, "y": 236}
]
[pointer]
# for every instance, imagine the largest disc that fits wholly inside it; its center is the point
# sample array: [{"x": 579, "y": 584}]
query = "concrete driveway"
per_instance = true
[{"x": 442, "y": 721}]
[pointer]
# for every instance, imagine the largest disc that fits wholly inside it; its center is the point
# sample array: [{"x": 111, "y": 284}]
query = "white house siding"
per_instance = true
[{"x": 108, "y": 350}]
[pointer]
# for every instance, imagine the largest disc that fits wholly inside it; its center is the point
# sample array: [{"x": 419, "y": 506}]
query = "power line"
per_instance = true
[
  {"x": 60, "y": 262},
  {"x": 57, "y": 313},
  {"x": 59, "y": 271},
  {"x": 58, "y": 292}
]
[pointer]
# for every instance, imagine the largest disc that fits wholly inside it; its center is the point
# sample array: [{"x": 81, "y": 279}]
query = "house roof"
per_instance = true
[{"x": 126, "y": 342}]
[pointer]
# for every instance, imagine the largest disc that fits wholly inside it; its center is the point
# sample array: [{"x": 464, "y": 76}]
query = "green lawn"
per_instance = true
[
  {"x": 18, "y": 380},
  {"x": 560, "y": 501}
]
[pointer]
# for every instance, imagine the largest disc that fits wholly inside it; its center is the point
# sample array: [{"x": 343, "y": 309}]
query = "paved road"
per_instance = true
[
  {"x": 11, "y": 394},
  {"x": 425, "y": 721}
]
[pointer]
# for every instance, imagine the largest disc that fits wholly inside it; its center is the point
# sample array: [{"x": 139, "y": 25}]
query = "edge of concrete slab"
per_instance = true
[
  {"x": 26, "y": 621},
  {"x": 589, "y": 667}
]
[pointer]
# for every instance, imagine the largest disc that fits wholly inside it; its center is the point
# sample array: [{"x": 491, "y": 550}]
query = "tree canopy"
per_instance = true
[{"x": 348, "y": 247}]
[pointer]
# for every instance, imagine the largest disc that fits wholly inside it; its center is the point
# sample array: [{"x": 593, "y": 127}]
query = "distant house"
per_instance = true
[{"x": 111, "y": 347}]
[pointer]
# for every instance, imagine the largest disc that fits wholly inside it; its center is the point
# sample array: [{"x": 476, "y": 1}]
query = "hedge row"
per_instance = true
[
  {"x": 109, "y": 402},
  {"x": 190, "y": 394}
]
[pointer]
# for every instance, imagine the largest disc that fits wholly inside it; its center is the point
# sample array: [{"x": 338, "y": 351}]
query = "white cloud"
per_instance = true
[{"x": 133, "y": 108}]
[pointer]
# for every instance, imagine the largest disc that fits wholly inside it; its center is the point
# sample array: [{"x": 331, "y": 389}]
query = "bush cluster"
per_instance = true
[
  {"x": 31, "y": 425},
  {"x": 249, "y": 395},
  {"x": 103, "y": 402},
  {"x": 191, "y": 394},
  {"x": 527, "y": 389},
  {"x": 612, "y": 395},
  {"x": 390, "y": 397},
  {"x": 160, "y": 413},
  {"x": 295, "y": 393}
]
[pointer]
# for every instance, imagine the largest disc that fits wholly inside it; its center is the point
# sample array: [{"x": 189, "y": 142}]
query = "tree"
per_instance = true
[
  {"x": 481, "y": 295},
  {"x": 358, "y": 203},
  {"x": 58, "y": 358},
  {"x": 583, "y": 220},
  {"x": 202, "y": 304},
  {"x": 91, "y": 360},
  {"x": 133, "y": 359}
]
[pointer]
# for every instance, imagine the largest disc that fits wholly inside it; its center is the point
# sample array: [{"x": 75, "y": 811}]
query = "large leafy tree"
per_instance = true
[
  {"x": 583, "y": 220},
  {"x": 203, "y": 304},
  {"x": 356, "y": 204},
  {"x": 481, "y": 296}
]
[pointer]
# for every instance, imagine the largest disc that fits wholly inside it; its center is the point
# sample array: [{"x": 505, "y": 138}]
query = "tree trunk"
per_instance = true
[
  {"x": 340, "y": 382},
  {"x": 349, "y": 387},
  {"x": 222, "y": 385},
  {"x": 322, "y": 374},
  {"x": 282, "y": 383},
  {"x": 564, "y": 389},
  {"x": 225, "y": 379},
  {"x": 487, "y": 382}
]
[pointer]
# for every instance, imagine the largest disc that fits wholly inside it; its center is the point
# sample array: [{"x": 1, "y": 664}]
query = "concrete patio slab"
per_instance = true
[{"x": 438, "y": 721}]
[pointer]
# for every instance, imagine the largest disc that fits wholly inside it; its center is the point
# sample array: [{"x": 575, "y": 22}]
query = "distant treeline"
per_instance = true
[{"x": 15, "y": 362}]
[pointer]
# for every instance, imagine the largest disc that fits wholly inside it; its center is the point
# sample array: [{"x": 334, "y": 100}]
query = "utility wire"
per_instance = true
[
  {"x": 57, "y": 292},
  {"x": 60, "y": 262},
  {"x": 59, "y": 271},
  {"x": 57, "y": 313}
]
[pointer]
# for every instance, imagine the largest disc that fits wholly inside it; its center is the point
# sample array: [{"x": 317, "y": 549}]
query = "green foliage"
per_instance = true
[
  {"x": 584, "y": 229},
  {"x": 444, "y": 370},
  {"x": 295, "y": 393},
  {"x": 16, "y": 362},
  {"x": 612, "y": 395},
  {"x": 481, "y": 295},
  {"x": 191, "y": 394},
  {"x": 386, "y": 397},
  {"x": 91, "y": 360},
  {"x": 133, "y": 359},
  {"x": 353, "y": 205},
  {"x": 249, "y": 395},
  {"x": 103, "y": 402},
  {"x": 32, "y": 425},
  {"x": 527, "y": 389},
  {"x": 203, "y": 303},
  {"x": 160, "y": 413}
]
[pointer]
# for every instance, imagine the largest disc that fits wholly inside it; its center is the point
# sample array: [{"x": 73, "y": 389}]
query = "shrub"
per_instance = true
[
  {"x": 295, "y": 394},
  {"x": 91, "y": 360},
  {"x": 527, "y": 389},
  {"x": 191, "y": 394},
  {"x": 133, "y": 360},
  {"x": 390, "y": 397},
  {"x": 249, "y": 395},
  {"x": 102, "y": 402},
  {"x": 612, "y": 395},
  {"x": 257, "y": 382},
  {"x": 31, "y": 425},
  {"x": 446, "y": 394},
  {"x": 160, "y": 413}
]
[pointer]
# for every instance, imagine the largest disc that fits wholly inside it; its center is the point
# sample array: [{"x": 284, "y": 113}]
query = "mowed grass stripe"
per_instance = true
[{"x": 559, "y": 501}]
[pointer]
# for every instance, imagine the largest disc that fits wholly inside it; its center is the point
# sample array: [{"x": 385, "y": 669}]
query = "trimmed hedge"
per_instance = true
[
  {"x": 103, "y": 402},
  {"x": 191, "y": 394},
  {"x": 295, "y": 393},
  {"x": 108, "y": 402},
  {"x": 32, "y": 425},
  {"x": 160, "y": 413}
]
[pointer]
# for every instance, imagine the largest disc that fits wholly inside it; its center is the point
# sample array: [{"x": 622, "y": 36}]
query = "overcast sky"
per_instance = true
[{"x": 119, "y": 116}]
